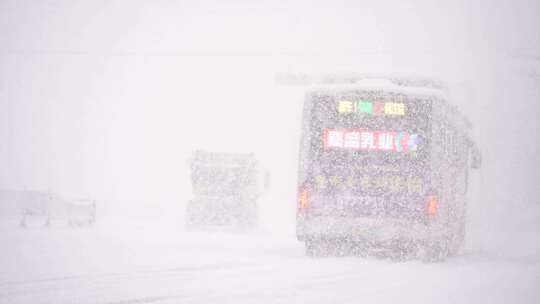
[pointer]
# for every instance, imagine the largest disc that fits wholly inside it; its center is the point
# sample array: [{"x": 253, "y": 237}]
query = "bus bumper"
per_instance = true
[{"x": 367, "y": 229}]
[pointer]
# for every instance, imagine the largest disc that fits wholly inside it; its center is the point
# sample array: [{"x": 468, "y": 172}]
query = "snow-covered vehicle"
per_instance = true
[
  {"x": 225, "y": 188},
  {"x": 383, "y": 166},
  {"x": 46, "y": 209}
]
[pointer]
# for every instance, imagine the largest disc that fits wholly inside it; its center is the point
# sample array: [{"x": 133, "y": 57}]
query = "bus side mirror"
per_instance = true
[{"x": 476, "y": 157}]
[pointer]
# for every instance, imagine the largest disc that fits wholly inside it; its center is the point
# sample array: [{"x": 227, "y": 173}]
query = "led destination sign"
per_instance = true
[
  {"x": 373, "y": 108},
  {"x": 367, "y": 140}
]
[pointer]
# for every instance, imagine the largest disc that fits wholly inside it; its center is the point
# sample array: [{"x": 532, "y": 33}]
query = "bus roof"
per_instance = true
[
  {"x": 417, "y": 87},
  {"x": 379, "y": 84}
]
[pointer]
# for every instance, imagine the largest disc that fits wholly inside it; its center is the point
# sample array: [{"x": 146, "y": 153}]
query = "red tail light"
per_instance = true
[
  {"x": 432, "y": 205},
  {"x": 303, "y": 199}
]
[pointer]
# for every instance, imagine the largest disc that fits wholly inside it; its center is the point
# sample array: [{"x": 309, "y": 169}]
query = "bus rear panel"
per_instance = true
[{"x": 365, "y": 169}]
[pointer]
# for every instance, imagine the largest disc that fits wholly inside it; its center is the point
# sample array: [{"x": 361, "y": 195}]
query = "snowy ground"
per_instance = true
[{"x": 146, "y": 262}]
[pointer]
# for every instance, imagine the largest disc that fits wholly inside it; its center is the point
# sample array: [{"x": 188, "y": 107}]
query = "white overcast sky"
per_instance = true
[{"x": 107, "y": 99}]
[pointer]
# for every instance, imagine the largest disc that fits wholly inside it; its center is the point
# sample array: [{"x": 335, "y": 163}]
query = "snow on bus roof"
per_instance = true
[
  {"x": 377, "y": 84},
  {"x": 420, "y": 87}
]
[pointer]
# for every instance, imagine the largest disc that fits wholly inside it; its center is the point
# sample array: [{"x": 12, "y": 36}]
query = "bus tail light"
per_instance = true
[
  {"x": 303, "y": 199},
  {"x": 432, "y": 206}
]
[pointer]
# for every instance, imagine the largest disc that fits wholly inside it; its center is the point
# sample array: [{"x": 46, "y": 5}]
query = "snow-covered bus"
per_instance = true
[{"x": 383, "y": 166}]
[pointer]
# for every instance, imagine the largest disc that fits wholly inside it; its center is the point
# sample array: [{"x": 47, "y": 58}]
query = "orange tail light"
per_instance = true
[
  {"x": 303, "y": 199},
  {"x": 432, "y": 205}
]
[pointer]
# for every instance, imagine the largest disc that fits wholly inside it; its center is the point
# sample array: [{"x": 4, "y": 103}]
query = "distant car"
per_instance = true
[{"x": 45, "y": 209}]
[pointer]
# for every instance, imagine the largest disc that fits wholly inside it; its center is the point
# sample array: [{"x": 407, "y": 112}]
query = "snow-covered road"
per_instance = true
[{"x": 144, "y": 264}]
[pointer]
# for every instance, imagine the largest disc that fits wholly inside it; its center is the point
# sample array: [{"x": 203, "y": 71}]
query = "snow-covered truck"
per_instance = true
[
  {"x": 225, "y": 189},
  {"x": 383, "y": 166}
]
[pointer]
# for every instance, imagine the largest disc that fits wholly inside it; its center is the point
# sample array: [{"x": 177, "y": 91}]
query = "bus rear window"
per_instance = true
[{"x": 369, "y": 125}]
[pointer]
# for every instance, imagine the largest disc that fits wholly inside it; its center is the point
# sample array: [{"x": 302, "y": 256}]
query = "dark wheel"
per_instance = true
[
  {"x": 401, "y": 250},
  {"x": 316, "y": 248},
  {"x": 249, "y": 218},
  {"x": 458, "y": 239},
  {"x": 324, "y": 247},
  {"x": 435, "y": 251}
]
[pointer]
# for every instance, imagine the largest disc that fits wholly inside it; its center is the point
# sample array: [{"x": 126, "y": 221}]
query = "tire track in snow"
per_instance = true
[{"x": 95, "y": 286}]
